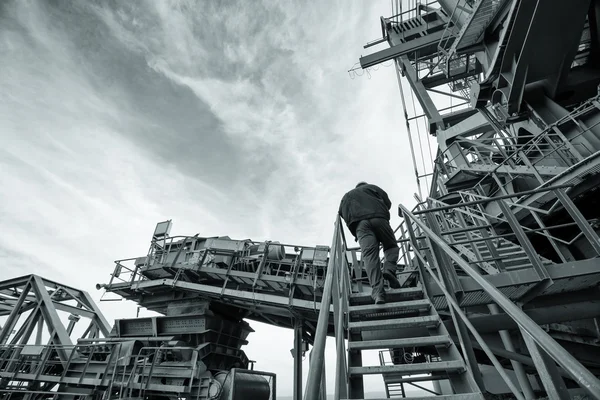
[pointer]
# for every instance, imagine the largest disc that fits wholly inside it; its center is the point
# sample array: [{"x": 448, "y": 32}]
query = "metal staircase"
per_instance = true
[
  {"x": 409, "y": 323},
  {"x": 472, "y": 30}
]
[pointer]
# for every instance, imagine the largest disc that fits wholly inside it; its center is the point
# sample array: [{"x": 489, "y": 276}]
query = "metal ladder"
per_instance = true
[
  {"x": 394, "y": 390},
  {"x": 407, "y": 321}
]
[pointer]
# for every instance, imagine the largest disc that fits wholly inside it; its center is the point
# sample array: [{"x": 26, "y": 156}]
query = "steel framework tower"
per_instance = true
[{"x": 506, "y": 243}]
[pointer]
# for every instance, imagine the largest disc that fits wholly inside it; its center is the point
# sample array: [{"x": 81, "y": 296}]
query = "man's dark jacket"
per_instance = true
[{"x": 364, "y": 202}]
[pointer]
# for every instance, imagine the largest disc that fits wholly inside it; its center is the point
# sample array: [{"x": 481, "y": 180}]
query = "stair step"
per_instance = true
[
  {"x": 416, "y": 368},
  {"x": 409, "y": 305},
  {"x": 391, "y": 295},
  {"x": 396, "y": 323},
  {"x": 398, "y": 343},
  {"x": 463, "y": 396}
]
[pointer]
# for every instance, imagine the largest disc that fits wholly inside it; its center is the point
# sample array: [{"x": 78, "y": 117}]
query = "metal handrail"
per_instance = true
[
  {"x": 458, "y": 311},
  {"x": 343, "y": 285},
  {"x": 336, "y": 289},
  {"x": 317, "y": 360},
  {"x": 588, "y": 381}
]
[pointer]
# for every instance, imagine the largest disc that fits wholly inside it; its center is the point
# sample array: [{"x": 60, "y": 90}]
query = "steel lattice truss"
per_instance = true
[{"x": 40, "y": 311}]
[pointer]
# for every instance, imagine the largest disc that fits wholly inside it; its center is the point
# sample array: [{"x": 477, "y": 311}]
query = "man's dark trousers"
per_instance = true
[{"x": 370, "y": 233}]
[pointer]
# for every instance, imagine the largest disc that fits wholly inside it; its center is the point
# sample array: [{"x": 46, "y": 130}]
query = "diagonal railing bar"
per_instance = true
[
  {"x": 466, "y": 210},
  {"x": 458, "y": 311}
]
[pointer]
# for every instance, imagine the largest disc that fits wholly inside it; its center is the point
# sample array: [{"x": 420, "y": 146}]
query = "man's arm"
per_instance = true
[{"x": 340, "y": 209}]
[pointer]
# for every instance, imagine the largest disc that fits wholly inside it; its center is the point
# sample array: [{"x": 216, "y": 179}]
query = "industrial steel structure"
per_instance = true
[{"x": 500, "y": 272}]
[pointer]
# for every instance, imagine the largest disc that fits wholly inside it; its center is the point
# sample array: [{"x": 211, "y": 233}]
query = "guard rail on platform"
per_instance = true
[
  {"x": 429, "y": 250},
  {"x": 535, "y": 337}
]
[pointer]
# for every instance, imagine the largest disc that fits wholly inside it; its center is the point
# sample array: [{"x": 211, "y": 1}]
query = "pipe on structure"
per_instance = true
[{"x": 588, "y": 381}]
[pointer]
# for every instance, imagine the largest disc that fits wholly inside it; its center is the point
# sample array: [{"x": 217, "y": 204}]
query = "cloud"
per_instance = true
[{"x": 236, "y": 119}]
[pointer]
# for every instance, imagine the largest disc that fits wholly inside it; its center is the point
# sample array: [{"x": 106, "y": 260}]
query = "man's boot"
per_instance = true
[
  {"x": 391, "y": 278},
  {"x": 380, "y": 299}
]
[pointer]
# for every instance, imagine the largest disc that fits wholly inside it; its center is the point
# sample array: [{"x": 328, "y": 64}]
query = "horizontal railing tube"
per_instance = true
[
  {"x": 491, "y": 199},
  {"x": 574, "y": 368}
]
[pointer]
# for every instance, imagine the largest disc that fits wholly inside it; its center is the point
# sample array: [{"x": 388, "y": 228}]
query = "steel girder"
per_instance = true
[{"x": 33, "y": 304}]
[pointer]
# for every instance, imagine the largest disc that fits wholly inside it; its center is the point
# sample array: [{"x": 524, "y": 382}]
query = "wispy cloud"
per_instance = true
[{"x": 236, "y": 119}]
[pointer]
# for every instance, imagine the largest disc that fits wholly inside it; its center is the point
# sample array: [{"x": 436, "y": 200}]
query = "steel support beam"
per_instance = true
[
  {"x": 423, "y": 46},
  {"x": 14, "y": 315},
  {"x": 321, "y": 393},
  {"x": 58, "y": 332},
  {"x": 281, "y": 302},
  {"x": 516, "y": 170},
  {"x": 99, "y": 319},
  {"x": 298, "y": 328},
  {"x": 433, "y": 115},
  {"x": 517, "y": 366},
  {"x": 541, "y": 316},
  {"x": 356, "y": 382},
  {"x": 547, "y": 370}
]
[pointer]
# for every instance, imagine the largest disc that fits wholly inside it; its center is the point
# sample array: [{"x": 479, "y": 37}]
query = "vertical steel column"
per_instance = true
[
  {"x": 297, "y": 359},
  {"x": 356, "y": 383},
  {"x": 341, "y": 388},
  {"x": 546, "y": 367},
  {"x": 517, "y": 366}
]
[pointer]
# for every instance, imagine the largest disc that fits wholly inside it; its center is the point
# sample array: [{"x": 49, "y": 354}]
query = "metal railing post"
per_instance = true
[
  {"x": 341, "y": 388},
  {"x": 298, "y": 328},
  {"x": 317, "y": 359}
]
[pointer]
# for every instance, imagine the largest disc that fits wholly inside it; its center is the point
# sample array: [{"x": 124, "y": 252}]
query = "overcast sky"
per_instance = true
[{"x": 234, "y": 118}]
